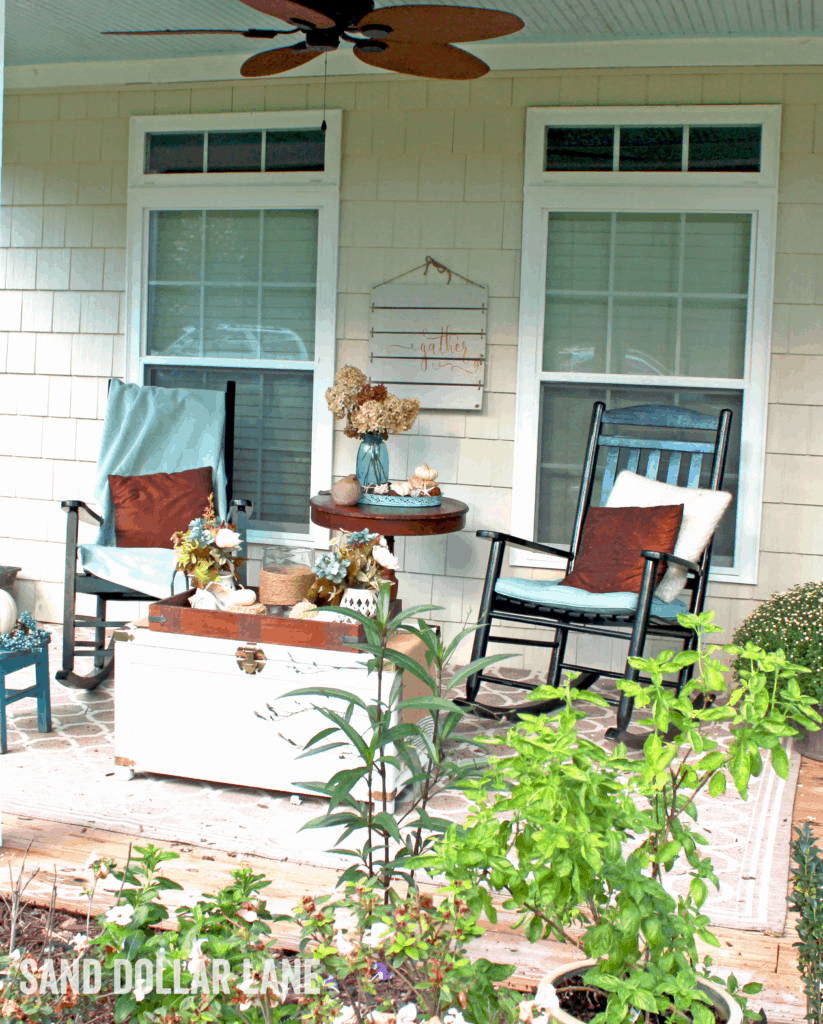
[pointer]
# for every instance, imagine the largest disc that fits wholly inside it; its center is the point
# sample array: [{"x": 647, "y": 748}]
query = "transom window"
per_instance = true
[
  {"x": 237, "y": 282},
  {"x": 638, "y": 294},
  {"x": 653, "y": 147},
  {"x": 283, "y": 149}
]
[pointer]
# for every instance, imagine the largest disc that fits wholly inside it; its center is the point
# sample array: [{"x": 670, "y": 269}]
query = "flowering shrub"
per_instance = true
[
  {"x": 410, "y": 953},
  {"x": 358, "y": 559},
  {"x": 207, "y": 548},
  {"x": 369, "y": 408},
  {"x": 793, "y": 621}
]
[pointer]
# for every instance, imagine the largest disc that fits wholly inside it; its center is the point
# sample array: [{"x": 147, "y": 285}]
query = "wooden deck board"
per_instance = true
[{"x": 754, "y": 956}]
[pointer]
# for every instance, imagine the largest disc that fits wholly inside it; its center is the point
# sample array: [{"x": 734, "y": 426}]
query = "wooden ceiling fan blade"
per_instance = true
[
  {"x": 433, "y": 23},
  {"x": 427, "y": 60},
  {"x": 288, "y": 11},
  {"x": 275, "y": 62}
]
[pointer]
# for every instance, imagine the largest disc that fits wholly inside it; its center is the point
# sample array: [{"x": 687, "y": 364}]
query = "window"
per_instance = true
[
  {"x": 233, "y": 237},
  {"x": 644, "y": 291}
]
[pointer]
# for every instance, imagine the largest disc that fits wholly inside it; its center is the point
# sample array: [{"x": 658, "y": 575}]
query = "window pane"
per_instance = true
[
  {"x": 231, "y": 322},
  {"x": 578, "y": 256},
  {"x": 647, "y": 252},
  {"x": 565, "y": 416},
  {"x": 173, "y": 320},
  {"x": 713, "y": 337},
  {"x": 717, "y": 250},
  {"x": 574, "y": 332},
  {"x": 272, "y": 451},
  {"x": 174, "y": 153},
  {"x": 644, "y": 336},
  {"x": 651, "y": 148},
  {"x": 232, "y": 245},
  {"x": 235, "y": 151},
  {"x": 301, "y": 150},
  {"x": 579, "y": 149},
  {"x": 175, "y": 245},
  {"x": 730, "y": 148},
  {"x": 249, "y": 296}
]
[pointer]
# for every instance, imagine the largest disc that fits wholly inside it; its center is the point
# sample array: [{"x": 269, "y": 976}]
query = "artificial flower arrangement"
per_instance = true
[
  {"x": 26, "y": 636},
  {"x": 359, "y": 559},
  {"x": 369, "y": 408},
  {"x": 207, "y": 548}
]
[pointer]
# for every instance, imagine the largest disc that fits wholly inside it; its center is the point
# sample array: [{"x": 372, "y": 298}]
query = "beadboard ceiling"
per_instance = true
[{"x": 68, "y": 31}]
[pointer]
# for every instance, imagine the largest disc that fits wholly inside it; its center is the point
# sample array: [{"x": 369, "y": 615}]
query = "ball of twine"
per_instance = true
[{"x": 285, "y": 584}]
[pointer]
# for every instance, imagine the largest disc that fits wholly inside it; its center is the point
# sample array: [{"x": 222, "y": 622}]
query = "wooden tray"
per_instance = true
[{"x": 175, "y": 615}]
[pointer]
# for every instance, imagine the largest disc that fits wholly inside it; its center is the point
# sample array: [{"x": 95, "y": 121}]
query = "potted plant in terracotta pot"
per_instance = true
[
  {"x": 792, "y": 621},
  {"x": 579, "y": 839}
]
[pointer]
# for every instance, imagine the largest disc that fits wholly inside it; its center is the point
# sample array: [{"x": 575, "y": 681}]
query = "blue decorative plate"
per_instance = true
[{"x": 399, "y": 501}]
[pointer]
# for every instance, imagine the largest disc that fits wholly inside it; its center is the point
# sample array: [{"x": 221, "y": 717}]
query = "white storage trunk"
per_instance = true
[{"x": 185, "y": 706}]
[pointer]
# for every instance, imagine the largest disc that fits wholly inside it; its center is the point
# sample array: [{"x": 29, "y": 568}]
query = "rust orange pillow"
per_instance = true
[
  {"x": 609, "y": 558},
  {"x": 149, "y": 509}
]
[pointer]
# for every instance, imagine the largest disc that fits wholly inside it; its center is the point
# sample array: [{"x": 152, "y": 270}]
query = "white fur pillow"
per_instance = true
[{"x": 702, "y": 512}]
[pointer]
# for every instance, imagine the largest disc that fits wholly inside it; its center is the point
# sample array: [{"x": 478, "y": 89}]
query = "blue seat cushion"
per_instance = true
[{"x": 572, "y": 599}]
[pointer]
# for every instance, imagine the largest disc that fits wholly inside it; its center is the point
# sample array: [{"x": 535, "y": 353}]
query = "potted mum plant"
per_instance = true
[
  {"x": 792, "y": 621},
  {"x": 579, "y": 839}
]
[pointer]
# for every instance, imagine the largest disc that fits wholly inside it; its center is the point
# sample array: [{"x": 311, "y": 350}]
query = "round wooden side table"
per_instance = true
[{"x": 447, "y": 517}]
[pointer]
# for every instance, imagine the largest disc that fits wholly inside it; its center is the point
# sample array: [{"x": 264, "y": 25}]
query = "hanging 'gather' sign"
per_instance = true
[{"x": 428, "y": 341}]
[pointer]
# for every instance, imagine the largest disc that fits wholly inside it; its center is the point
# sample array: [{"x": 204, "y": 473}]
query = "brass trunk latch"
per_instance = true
[{"x": 250, "y": 658}]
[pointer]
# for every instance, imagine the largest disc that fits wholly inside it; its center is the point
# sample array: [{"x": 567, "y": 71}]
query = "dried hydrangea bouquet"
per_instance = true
[{"x": 371, "y": 413}]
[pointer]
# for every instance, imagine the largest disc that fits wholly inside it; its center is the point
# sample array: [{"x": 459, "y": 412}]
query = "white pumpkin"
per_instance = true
[{"x": 8, "y": 612}]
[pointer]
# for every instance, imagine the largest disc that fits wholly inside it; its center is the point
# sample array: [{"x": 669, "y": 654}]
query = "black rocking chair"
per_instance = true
[
  {"x": 646, "y": 440},
  {"x": 78, "y": 581}
]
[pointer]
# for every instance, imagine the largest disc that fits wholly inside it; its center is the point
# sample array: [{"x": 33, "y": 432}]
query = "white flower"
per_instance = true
[
  {"x": 247, "y": 912},
  {"x": 546, "y": 997},
  {"x": 197, "y": 960},
  {"x": 120, "y": 915},
  {"x": 80, "y": 942},
  {"x": 385, "y": 558},
  {"x": 141, "y": 990},
  {"x": 377, "y": 934},
  {"x": 344, "y": 947},
  {"x": 15, "y": 956},
  {"x": 250, "y": 989},
  {"x": 346, "y": 1016},
  {"x": 407, "y": 1014},
  {"x": 225, "y": 538},
  {"x": 453, "y": 1016}
]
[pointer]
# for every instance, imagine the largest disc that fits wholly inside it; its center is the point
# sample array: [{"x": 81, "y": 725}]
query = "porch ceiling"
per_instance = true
[{"x": 68, "y": 31}]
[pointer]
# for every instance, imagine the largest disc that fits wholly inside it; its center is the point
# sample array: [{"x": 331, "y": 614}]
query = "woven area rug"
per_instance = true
[{"x": 68, "y": 776}]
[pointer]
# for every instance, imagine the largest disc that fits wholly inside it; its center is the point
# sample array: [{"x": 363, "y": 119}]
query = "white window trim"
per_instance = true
[
  {"x": 647, "y": 192},
  {"x": 281, "y": 190}
]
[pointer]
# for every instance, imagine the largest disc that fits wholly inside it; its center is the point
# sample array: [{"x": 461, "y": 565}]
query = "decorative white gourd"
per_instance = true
[{"x": 8, "y": 612}]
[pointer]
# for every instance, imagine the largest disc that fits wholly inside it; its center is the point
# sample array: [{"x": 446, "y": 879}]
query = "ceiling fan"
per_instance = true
[{"x": 412, "y": 39}]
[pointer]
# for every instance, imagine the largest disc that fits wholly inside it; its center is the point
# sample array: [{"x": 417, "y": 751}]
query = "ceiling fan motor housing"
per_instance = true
[{"x": 322, "y": 40}]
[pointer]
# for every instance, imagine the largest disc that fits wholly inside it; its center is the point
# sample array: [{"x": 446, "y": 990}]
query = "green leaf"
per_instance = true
[
  {"x": 780, "y": 762},
  {"x": 717, "y": 784}
]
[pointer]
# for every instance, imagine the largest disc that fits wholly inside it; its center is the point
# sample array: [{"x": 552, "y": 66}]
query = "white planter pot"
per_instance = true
[
  {"x": 726, "y": 1006},
  {"x": 360, "y": 600}
]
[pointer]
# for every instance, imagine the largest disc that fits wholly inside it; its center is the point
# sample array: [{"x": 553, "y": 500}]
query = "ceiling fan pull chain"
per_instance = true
[{"x": 325, "y": 79}]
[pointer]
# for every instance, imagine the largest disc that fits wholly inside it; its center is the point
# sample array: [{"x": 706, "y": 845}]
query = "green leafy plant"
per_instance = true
[
  {"x": 390, "y": 742},
  {"x": 791, "y": 621},
  {"x": 578, "y": 839},
  {"x": 156, "y": 974},
  {"x": 807, "y": 901}
]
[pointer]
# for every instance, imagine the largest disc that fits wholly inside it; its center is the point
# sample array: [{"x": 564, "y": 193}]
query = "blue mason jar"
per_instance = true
[{"x": 372, "y": 460}]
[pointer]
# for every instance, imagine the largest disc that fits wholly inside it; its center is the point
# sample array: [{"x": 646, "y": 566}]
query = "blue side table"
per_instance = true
[{"x": 11, "y": 661}]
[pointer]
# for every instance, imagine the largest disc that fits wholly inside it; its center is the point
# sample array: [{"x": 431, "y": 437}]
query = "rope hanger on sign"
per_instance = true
[{"x": 441, "y": 268}]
